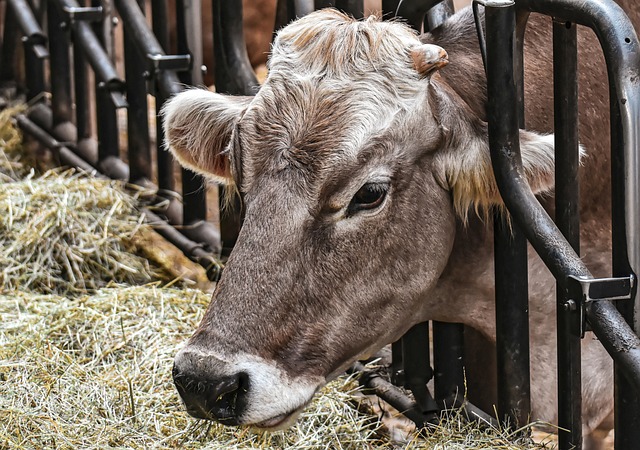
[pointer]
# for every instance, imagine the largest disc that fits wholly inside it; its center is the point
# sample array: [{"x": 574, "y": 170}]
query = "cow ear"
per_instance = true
[
  {"x": 463, "y": 163},
  {"x": 198, "y": 125}
]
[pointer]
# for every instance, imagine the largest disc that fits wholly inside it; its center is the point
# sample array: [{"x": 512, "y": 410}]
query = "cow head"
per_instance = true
[{"x": 354, "y": 161}]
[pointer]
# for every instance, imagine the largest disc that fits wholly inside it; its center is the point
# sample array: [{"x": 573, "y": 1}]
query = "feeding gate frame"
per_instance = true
[{"x": 581, "y": 299}]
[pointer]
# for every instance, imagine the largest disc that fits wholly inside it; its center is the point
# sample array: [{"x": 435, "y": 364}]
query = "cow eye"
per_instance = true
[{"x": 369, "y": 196}]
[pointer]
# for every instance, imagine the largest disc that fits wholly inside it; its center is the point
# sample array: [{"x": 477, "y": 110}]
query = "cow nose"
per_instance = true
[{"x": 213, "y": 398}]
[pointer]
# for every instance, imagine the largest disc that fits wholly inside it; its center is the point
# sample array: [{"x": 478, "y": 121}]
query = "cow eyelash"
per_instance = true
[{"x": 370, "y": 196}]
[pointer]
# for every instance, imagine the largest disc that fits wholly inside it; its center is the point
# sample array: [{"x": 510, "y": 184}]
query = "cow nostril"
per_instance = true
[{"x": 221, "y": 399}]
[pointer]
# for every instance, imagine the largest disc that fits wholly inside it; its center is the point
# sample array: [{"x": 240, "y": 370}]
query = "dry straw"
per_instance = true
[{"x": 85, "y": 363}]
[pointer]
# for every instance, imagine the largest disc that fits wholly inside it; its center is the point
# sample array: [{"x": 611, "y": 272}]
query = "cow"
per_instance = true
[{"x": 364, "y": 169}]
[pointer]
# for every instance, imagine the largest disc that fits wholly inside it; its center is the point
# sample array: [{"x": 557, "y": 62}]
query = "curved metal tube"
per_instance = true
[{"x": 620, "y": 45}]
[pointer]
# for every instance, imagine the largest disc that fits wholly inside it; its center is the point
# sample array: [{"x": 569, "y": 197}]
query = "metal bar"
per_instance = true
[
  {"x": 138, "y": 144},
  {"x": 8, "y": 60},
  {"x": 352, "y": 7},
  {"x": 193, "y": 185},
  {"x": 414, "y": 11},
  {"x": 233, "y": 72},
  {"x": 165, "y": 163},
  {"x": 389, "y": 8},
  {"x": 613, "y": 29},
  {"x": 95, "y": 42},
  {"x": 66, "y": 156},
  {"x": 512, "y": 323},
  {"x": 59, "y": 65},
  {"x": 28, "y": 23},
  {"x": 397, "y": 369},
  {"x": 34, "y": 69},
  {"x": 448, "y": 350},
  {"x": 417, "y": 367},
  {"x": 233, "y": 75},
  {"x": 437, "y": 14},
  {"x": 303, "y": 7},
  {"x": 390, "y": 394},
  {"x": 565, "y": 82}
]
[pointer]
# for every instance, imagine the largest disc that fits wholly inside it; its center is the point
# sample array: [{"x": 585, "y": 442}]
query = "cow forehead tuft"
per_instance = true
[{"x": 330, "y": 43}]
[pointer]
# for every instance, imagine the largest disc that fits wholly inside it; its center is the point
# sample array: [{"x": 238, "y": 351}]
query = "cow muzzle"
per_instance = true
[
  {"x": 240, "y": 390},
  {"x": 208, "y": 395}
]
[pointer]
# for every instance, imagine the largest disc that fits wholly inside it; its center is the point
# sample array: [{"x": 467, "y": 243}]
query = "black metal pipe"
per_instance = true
[
  {"x": 414, "y": 11},
  {"x": 567, "y": 200},
  {"x": 352, "y": 7},
  {"x": 438, "y": 14},
  {"x": 233, "y": 72},
  {"x": 59, "y": 65},
  {"x": 34, "y": 72},
  {"x": 512, "y": 323},
  {"x": 193, "y": 250},
  {"x": 193, "y": 185},
  {"x": 8, "y": 60},
  {"x": 139, "y": 150},
  {"x": 94, "y": 42},
  {"x": 390, "y": 394},
  {"x": 66, "y": 155},
  {"x": 448, "y": 365},
  {"x": 164, "y": 159},
  {"x": 417, "y": 366},
  {"x": 28, "y": 24},
  {"x": 397, "y": 368},
  {"x": 614, "y": 30}
]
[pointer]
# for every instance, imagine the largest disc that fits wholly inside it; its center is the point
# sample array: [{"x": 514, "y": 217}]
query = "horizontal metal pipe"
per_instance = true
[
  {"x": 66, "y": 155},
  {"x": 390, "y": 394},
  {"x": 191, "y": 249}
]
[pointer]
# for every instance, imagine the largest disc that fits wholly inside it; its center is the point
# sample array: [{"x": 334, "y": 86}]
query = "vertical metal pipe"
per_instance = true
[
  {"x": 165, "y": 164},
  {"x": 353, "y": 7},
  {"x": 389, "y": 8},
  {"x": 34, "y": 70},
  {"x": 397, "y": 368},
  {"x": 565, "y": 94},
  {"x": 138, "y": 145},
  {"x": 438, "y": 14},
  {"x": 9, "y": 46},
  {"x": 105, "y": 110},
  {"x": 512, "y": 323},
  {"x": 417, "y": 366},
  {"x": 59, "y": 65},
  {"x": 448, "y": 350},
  {"x": 233, "y": 75},
  {"x": 193, "y": 185},
  {"x": 627, "y": 398}
]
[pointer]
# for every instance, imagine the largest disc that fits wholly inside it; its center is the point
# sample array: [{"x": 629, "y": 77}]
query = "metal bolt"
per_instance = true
[{"x": 570, "y": 305}]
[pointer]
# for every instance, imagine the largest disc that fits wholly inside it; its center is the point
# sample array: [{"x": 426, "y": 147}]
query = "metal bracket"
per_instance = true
[
  {"x": 588, "y": 290},
  {"x": 81, "y": 13},
  {"x": 179, "y": 63},
  {"x": 159, "y": 63}
]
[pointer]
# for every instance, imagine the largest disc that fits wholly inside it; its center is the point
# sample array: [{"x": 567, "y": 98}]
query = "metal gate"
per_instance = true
[{"x": 80, "y": 36}]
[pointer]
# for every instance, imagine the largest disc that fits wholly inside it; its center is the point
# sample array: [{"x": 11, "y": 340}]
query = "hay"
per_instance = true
[
  {"x": 65, "y": 232},
  {"x": 95, "y": 372},
  {"x": 12, "y": 167}
]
